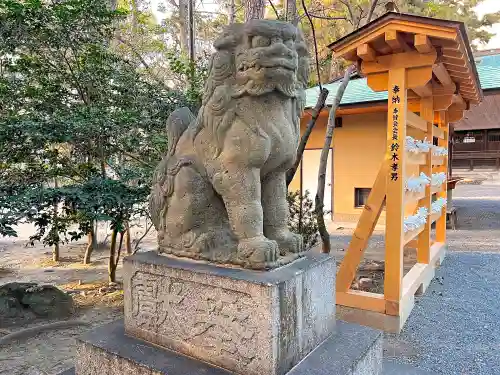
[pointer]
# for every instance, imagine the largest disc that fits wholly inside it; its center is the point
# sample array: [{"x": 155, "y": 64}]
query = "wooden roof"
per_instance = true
[
  {"x": 395, "y": 33},
  {"x": 484, "y": 116}
]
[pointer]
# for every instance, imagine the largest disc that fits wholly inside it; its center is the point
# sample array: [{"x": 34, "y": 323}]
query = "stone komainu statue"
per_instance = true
[{"x": 220, "y": 193}]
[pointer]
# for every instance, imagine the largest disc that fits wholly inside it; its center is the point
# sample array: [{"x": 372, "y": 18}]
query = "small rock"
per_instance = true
[
  {"x": 82, "y": 293},
  {"x": 372, "y": 266},
  {"x": 103, "y": 290},
  {"x": 365, "y": 283},
  {"x": 112, "y": 284},
  {"x": 29, "y": 300}
]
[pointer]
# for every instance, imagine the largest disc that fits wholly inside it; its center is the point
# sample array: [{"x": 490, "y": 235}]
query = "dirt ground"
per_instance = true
[{"x": 51, "y": 352}]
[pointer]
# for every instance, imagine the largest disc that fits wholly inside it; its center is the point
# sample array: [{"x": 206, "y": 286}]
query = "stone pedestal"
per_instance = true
[
  {"x": 351, "y": 350},
  {"x": 248, "y": 322}
]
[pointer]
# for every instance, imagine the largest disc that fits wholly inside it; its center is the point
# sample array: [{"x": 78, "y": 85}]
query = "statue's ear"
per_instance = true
[{"x": 230, "y": 38}]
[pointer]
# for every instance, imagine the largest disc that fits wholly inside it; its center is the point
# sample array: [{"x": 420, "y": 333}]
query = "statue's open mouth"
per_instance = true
[{"x": 276, "y": 63}]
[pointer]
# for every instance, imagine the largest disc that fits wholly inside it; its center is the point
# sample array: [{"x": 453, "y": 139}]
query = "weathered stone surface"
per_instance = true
[
  {"x": 352, "y": 350},
  {"x": 220, "y": 194},
  {"x": 246, "y": 321},
  {"x": 25, "y": 301}
]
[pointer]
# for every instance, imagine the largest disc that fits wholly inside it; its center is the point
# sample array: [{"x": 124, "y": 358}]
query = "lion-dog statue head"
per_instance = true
[{"x": 252, "y": 59}]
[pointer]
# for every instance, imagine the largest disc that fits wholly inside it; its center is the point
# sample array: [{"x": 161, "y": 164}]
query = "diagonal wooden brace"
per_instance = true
[{"x": 364, "y": 230}]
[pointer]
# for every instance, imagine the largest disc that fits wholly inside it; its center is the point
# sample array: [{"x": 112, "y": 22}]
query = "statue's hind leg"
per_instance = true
[{"x": 195, "y": 222}]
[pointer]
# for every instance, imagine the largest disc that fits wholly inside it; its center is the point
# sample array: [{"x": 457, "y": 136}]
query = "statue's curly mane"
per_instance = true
[{"x": 221, "y": 91}]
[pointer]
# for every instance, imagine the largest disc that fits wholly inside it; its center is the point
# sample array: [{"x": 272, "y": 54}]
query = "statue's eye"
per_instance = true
[
  {"x": 260, "y": 41},
  {"x": 288, "y": 43}
]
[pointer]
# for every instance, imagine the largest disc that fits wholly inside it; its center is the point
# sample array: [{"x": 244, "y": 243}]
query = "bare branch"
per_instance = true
[
  {"x": 320, "y": 194},
  {"x": 146, "y": 231},
  {"x": 274, "y": 9},
  {"x": 349, "y": 9},
  {"x": 315, "y": 43},
  {"x": 320, "y": 104},
  {"x": 327, "y": 18},
  {"x": 371, "y": 11}
]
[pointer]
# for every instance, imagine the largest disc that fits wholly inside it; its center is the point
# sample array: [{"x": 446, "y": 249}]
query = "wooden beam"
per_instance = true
[
  {"x": 423, "y": 44},
  {"x": 442, "y": 74},
  {"x": 437, "y": 32},
  {"x": 457, "y": 69},
  {"x": 443, "y": 142},
  {"x": 415, "y": 77},
  {"x": 381, "y": 46},
  {"x": 361, "y": 300},
  {"x": 459, "y": 102},
  {"x": 438, "y": 133},
  {"x": 415, "y": 121},
  {"x": 453, "y": 61},
  {"x": 442, "y": 102},
  {"x": 424, "y": 238},
  {"x": 396, "y": 42},
  {"x": 410, "y": 236},
  {"x": 366, "y": 53},
  {"x": 455, "y": 53},
  {"x": 438, "y": 90},
  {"x": 394, "y": 234},
  {"x": 459, "y": 75},
  {"x": 364, "y": 229},
  {"x": 398, "y": 60},
  {"x": 423, "y": 91}
]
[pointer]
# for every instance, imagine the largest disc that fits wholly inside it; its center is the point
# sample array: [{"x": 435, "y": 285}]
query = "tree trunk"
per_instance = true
[
  {"x": 183, "y": 26},
  {"x": 55, "y": 252},
  {"x": 128, "y": 240},
  {"x": 55, "y": 249},
  {"x": 111, "y": 262},
  {"x": 291, "y": 12},
  {"x": 191, "y": 30},
  {"x": 320, "y": 194},
  {"x": 231, "y": 13},
  {"x": 320, "y": 103},
  {"x": 95, "y": 227},
  {"x": 254, "y": 9},
  {"x": 90, "y": 247}
]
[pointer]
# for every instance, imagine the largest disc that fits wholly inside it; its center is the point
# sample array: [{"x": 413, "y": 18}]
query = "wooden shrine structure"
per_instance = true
[{"x": 427, "y": 68}]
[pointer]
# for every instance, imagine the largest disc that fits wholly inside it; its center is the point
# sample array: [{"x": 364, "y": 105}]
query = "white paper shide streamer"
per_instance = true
[
  {"x": 439, "y": 151},
  {"x": 417, "y": 184},
  {"x": 415, "y": 146},
  {"x": 438, "y": 205},
  {"x": 438, "y": 179},
  {"x": 414, "y": 222}
]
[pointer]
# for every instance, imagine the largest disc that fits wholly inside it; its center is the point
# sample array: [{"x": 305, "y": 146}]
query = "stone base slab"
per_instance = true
[
  {"x": 249, "y": 322},
  {"x": 107, "y": 350}
]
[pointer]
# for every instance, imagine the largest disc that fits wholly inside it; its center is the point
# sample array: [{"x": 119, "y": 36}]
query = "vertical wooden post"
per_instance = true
[
  {"x": 424, "y": 239},
  {"x": 394, "y": 234},
  {"x": 441, "y": 222}
]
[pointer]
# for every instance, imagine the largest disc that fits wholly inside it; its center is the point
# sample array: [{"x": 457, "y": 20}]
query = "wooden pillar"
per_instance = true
[
  {"x": 394, "y": 234},
  {"x": 424, "y": 239},
  {"x": 441, "y": 222}
]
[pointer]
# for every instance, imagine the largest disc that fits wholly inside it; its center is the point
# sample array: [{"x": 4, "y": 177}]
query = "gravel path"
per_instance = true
[{"x": 454, "y": 328}]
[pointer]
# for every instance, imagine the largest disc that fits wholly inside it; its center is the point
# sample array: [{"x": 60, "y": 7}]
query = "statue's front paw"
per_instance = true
[
  {"x": 288, "y": 242},
  {"x": 258, "y": 252}
]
